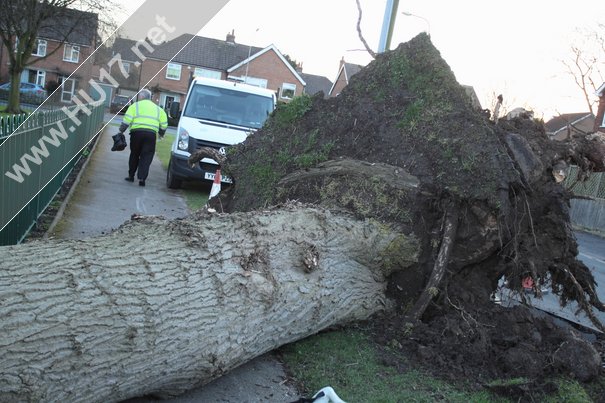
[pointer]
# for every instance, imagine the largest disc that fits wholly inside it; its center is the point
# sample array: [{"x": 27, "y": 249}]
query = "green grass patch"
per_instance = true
[
  {"x": 4, "y": 114},
  {"x": 162, "y": 149},
  {"x": 347, "y": 361},
  {"x": 569, "y": 391},
  {"x": 196, "y": 194},
  {"x": 287, "y": 114}
]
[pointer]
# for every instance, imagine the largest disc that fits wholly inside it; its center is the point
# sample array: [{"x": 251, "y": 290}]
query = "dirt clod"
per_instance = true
[{"x": 402, "y": 144}]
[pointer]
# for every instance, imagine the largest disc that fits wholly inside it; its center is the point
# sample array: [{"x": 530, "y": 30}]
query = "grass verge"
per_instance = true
[
  {"x": 3, "y": 109},
  {"x": 351, "y": 363},
  {"x": 196, "y": 194},
  {"x": 348, "y": 361}
]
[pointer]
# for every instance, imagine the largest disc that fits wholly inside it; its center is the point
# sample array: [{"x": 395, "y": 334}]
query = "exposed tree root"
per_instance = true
[
  {"x": 585, "y": 306},
  {"x": 445, "y": 250},
  {"x": 206, "y": 152}
]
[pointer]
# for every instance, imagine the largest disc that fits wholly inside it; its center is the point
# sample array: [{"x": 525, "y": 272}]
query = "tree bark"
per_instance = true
[
  {"x": 432, "y": 287},
  {"x": 159, "y": 307},
  {"x": 13, "y": 105}
]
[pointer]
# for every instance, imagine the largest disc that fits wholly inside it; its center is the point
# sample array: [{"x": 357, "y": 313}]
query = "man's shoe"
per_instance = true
[
  {"x": 129, "y": 179},
  {"x": 141, "y": 183}
]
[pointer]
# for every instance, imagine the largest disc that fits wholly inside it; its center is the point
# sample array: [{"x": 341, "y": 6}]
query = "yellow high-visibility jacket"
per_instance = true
[{"x": 146, "y": 115}]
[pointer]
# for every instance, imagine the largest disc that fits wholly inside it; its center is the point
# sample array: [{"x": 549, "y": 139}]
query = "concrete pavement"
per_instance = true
[{"x": 102, "y": 201}]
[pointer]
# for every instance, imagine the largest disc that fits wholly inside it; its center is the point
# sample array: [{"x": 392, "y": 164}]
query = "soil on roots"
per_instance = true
[
  {"x": 405, "y": 114},
  {"x": 491, "y": 345}
]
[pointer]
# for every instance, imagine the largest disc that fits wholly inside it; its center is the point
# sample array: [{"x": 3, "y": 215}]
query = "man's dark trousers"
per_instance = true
[{"x": 142, "y": 149}]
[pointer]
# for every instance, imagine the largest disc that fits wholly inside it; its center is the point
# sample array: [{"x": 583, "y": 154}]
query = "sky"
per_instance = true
[{"x": 514, "y": 48}]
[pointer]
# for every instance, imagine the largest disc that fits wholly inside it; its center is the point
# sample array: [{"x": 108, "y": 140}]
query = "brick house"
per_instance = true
[
  {"x": 129, "y": 61},
  {"x": 562, "y": 127},
  {"x": 213, "y": 58},
  {"x": 61, "y": 54},
  {"x": 599, "y": 124},
  {"x": 345, "y": 72}
]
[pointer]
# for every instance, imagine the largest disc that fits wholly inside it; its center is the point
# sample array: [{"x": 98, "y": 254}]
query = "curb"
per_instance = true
[{"x": 72, "y": 190}]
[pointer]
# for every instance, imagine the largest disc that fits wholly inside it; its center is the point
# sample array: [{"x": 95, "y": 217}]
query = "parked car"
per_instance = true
[
  {"x": 119, "y": 104},
  {"x": 30, "y": 92}
]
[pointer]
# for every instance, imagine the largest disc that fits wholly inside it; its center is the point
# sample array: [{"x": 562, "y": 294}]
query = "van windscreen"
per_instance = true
[{"x": 228, "y": 106}]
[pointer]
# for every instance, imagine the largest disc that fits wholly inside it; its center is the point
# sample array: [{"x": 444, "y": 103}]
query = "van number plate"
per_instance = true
[{"x": 224, "y": 179}]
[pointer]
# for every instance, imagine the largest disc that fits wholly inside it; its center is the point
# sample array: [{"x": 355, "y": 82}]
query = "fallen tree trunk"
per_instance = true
[{"x": 159, "y": 307}]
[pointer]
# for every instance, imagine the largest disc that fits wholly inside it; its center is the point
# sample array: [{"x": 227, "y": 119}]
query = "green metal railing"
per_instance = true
[
  {"x": 10, "y": 123},
  {"x": 60, "y": 140},
  {"x": 594, "y": 186}
]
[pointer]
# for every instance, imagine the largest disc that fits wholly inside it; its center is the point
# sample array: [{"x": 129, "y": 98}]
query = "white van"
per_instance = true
[{"x": 216, "y": 114}]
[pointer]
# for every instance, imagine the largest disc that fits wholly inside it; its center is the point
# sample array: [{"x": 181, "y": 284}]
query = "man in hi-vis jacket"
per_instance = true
[{"x": 146, "y": 120}]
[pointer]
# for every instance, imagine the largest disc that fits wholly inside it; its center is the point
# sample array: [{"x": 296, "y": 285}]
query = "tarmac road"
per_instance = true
[
  {"x": 102, "y": 201},
  {"x": 592, "y": 253}
]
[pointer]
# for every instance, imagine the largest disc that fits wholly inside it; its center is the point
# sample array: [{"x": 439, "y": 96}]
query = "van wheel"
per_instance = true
[{"x": 172, "y": 181}]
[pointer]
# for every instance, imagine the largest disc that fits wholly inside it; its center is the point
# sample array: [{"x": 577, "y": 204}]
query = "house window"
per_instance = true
[
  {"x": 34, "y": 77},
  {"x": 68, "y": 88},
  {"x": 39, "y": 48},
  {"x": 166, "y": 100},
  {"x": 173, "y": 71},
  {"x": 41, "y": 78},
  {"x": 257, "y": 82},
  {"x": 126, "y": 66},
  {"x": 201, "y": 72},
  {"x": 287, "y": 91},
  {"x": 71, "y": 53}
]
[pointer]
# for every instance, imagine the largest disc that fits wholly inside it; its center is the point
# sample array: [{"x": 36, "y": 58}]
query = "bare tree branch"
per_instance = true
[
  {"x": 370, "y": 51},
  {"x": 22, "y": 22},
  {"x": 585, "y": 65}
]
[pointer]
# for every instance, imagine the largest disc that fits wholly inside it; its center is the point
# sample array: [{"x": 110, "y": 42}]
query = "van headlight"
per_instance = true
[{"x": 183, "y": 143}]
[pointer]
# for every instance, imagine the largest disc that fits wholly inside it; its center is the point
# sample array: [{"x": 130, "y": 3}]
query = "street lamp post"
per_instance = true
[
  {"x": 428, "y": 24},
  {"x": 387, "y": 25}
]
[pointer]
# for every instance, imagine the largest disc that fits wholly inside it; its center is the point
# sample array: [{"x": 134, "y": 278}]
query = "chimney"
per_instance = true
[
  {"x": 299, "y": 67},
  {"x": 231, "y": 37},
  {"x": 342, "y": 62}
]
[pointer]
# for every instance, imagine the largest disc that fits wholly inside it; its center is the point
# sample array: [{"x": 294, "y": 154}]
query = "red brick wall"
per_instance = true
[
  {"x": 339, "y": 85},
  {"x": 55, "y": 66},
  {"x": 150, "y": 67},
  {"x": 270, "y": 67}
]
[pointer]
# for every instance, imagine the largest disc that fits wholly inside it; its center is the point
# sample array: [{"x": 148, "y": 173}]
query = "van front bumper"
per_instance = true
[{"x": 179, "y": 165}]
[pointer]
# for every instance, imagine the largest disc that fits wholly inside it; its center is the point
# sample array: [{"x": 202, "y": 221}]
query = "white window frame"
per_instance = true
[
  {"x": 172, "y": 67},
  {"x": 71, "y": 53},
  {"x": 68, "y": 89},
  {"x": 202, "y": 72},
  {"x": 164, "y": 96},
  {"x": 126, "y": 66},
  {"x": 257, "y": 82},
  {"x": 41, "y": 77},
  {"x": 41, "y": 47},
  {"x": 287, "y": 87}
]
